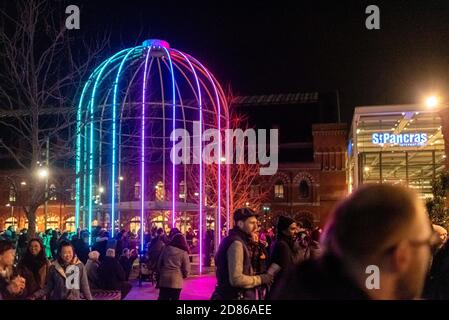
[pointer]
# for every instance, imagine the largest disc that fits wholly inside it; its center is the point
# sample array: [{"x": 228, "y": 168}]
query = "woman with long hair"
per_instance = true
[
  {"x": 67, "y": 265},
  {"x": 34, "y": 266}
]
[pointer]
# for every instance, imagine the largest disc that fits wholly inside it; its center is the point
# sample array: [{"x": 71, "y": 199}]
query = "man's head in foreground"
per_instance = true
[{"x": 384, "y": 226}]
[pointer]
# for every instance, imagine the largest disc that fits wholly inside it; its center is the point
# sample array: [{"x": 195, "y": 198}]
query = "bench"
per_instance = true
[{"x": 106, "y": 295}]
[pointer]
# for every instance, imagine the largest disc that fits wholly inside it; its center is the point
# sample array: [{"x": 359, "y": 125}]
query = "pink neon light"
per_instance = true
[{"x": 142, "y": 169}]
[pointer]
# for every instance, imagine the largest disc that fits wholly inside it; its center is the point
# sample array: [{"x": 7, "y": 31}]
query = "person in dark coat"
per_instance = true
[
  {"x": 12, "y": 284},
  {"x": 34, "y": 266},
  {"x": 22, "y": 243},
  {"x": 92, "y": 265},
  {"x": 259, "y": 255},
  {"x": 155, "y": 249},
  {"x": 173, "y": 267},
  {"x": 377, "y": 245},
  {"x": 53, "y": 244},
  {"x": 284, "y": 252},
  {"x": 81, "y": 246},
  {"x": 437, "y": 284},
  {"x": 112, "y": 276},
  {"x": 208, "y": 247},
  {"x": 127, "y": 260},
  {"x": 101, "y": 244},
  {"x": 236, "y": 279}
]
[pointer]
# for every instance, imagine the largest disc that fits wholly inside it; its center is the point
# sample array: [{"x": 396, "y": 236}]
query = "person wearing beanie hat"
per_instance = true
[
  {"x": 236, "y": 279},
  {"x": 284, "y": 252}
]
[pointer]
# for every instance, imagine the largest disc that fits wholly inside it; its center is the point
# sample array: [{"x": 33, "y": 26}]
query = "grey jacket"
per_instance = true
[
  {"x": 173, "y": 266},
  {"x": 56, "y": 288},
  {"x": 92, "y": 274}
]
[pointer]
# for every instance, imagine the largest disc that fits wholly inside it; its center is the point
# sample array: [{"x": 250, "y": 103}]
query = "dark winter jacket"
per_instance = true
[
  {"x": 81, "y": 250},
  {"x": 437, "y": 285},
  {"x": 111, "y": 274},
  {"x": 235, "y": 276},
  {"x": 321, "y": 279}
]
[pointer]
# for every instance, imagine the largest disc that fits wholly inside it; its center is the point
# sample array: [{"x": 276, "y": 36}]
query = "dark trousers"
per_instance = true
[
  {"x": 169, "y": 294},
  {"x": 125, "y": 289}
]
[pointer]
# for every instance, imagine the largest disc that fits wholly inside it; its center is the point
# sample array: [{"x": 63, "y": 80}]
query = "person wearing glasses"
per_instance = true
[{"x": 377, "y": 244}]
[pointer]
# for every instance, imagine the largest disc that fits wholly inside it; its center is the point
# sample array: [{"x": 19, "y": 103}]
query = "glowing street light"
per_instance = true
[
  {"x": 121, "y": 178},
  {"x": 101, "y": 189},
  {"x": 23, "y": 183},
  {"x": 432, "y": 102},
  {"x": 42, "y": 172}
]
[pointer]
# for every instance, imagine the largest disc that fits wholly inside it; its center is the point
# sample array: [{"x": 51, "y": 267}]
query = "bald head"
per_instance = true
[{"x": 373, "y": 219}]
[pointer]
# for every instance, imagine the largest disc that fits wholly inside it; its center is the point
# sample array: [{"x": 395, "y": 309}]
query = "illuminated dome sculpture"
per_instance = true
[{"x": 127, "y": 110}]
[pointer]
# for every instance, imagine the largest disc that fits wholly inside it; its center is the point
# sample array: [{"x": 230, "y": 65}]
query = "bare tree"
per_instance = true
[
  {"x": 247, "y": 188},
  {"x": 43, "y": 65}
]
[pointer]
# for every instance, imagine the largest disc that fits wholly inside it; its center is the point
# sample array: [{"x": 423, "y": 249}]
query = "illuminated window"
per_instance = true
[
  {"x": 12, "y": 194},
  {"x": 72, "y": 192},
  {"x": 137, "y": 189},
  {"x": 160, "y": 191},
  {"x": 279, "y": 190},
  {"x": 52, "y": 192},
  {"x": 182, "y": 190}
]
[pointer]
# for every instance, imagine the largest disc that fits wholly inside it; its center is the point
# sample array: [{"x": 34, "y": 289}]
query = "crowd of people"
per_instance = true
[
  {"x": 378, "y": 227},
  {"x": 37, "y": 268}
]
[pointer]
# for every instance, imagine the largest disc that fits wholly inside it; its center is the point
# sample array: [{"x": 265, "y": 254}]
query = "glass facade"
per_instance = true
[{"x": 397, "y": 145}]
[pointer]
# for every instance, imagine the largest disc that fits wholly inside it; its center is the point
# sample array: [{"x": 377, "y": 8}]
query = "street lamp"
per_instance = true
[
  {"x": 432, "y": 102},
  {"x": 42, "y": 172}
]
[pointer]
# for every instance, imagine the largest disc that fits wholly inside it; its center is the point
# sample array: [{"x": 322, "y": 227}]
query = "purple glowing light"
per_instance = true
[{"x": 142, "y": 163}]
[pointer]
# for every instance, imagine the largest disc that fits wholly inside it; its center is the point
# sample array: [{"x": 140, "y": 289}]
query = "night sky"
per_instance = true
[{"x": 280, "y": 47}]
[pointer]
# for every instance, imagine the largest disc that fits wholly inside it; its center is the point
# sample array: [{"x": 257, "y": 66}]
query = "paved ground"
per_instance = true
[{"x": 197, "y": 287}]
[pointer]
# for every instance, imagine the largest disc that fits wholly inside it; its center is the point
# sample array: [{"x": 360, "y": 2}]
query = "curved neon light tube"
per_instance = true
[
  {"x": 114, "y": 143},
  {"x": 201, "y": 166},
  {"x": 218, "y": 226},
  {"x": 78, "y": 157},
  {"x": 142, "y": 160},
  {"x": 78, "y": 148},
  {"x": 91, "y": 142},
  {"x": 173, "y": 146}
]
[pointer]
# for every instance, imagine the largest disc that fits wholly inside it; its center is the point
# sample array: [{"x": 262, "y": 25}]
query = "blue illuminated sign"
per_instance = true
[{"x": 403, "y": 139}]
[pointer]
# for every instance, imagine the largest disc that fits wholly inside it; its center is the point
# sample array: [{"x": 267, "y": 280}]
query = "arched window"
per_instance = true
[
  {"x": 182, "y": 190},
  {"x": 52, "y": 192},
  {"x": 12, "y": 194},
  {"x": 304, "y": 189},
  {"x": 160, "y": 191},
  {"x": 137, "y": 190},
  {"x": 279, "y": 190},
  {"x": 134, "y": 225},
  {"x": 11, "y": 222},
  {"x": 70, "y": 224}
]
